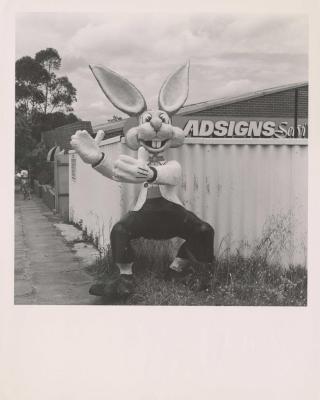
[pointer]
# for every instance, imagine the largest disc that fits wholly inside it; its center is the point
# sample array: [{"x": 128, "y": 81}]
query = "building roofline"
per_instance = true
[
  {"x": 188, "y": 109},
  {"x": 110, "y": 127}
]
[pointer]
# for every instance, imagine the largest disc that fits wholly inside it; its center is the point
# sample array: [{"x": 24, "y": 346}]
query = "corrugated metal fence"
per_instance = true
[{"x": 252, "y": 191}]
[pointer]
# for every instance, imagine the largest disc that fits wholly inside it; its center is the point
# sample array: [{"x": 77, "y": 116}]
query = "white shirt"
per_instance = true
[{"x": 169, "y": 176}]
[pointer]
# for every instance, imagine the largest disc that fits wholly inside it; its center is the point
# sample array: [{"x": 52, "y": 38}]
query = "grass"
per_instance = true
[{"x": 237, "y": 280}]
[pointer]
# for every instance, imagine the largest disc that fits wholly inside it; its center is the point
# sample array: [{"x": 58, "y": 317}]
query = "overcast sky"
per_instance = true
[{"x": 229, "y": 54}]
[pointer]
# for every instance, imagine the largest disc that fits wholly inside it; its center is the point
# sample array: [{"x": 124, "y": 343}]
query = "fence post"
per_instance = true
[{"x": 61, "y": 182}]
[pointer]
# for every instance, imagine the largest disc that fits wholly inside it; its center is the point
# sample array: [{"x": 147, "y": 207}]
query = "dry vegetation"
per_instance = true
[{"x": 236, "y": 281}]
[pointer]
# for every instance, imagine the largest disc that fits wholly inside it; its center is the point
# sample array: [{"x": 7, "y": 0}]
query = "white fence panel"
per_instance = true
[
  {"x": 252, "y": 194},
  {"x": 94, "y": 201}
]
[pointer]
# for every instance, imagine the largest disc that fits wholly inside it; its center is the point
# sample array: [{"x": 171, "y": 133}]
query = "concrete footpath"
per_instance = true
[{"x": 47, "y": 270}]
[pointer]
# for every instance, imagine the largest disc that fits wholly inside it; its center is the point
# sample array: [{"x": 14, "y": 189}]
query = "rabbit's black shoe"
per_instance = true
[
  {"x": 118, "y": 286},
  {"x": 125, "y": 285}
]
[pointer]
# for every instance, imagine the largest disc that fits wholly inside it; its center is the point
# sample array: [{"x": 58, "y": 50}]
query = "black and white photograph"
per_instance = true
[
  {"x": 161, "y": 159},
  {"x": 160, "y": 202}
]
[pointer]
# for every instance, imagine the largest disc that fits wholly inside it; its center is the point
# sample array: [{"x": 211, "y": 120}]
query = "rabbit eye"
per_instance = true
[
  {"x": 147, "y": 118},
  {"x": 164, "y": 118}
]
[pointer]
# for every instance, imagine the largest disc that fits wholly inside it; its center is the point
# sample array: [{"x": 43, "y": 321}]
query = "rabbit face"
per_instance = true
[{"x": 155, "y": 133}]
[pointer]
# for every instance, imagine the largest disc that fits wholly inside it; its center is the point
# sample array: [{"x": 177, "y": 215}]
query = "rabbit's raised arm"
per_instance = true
[{"x": 87, "y": 147}]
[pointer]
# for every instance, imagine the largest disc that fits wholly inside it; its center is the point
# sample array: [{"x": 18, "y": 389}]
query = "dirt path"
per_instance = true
[{"x": 47, "y": 271}]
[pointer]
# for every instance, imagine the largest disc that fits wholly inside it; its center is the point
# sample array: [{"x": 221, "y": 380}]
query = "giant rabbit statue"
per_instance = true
[{"x": 158, "y": 213}]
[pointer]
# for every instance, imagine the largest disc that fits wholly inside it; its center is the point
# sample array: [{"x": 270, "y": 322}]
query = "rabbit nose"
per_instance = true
[{"x": 156, "y": 123}]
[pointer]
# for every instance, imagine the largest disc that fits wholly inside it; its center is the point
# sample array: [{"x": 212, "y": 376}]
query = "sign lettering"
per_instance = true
[{"x": 222, "y": 127}]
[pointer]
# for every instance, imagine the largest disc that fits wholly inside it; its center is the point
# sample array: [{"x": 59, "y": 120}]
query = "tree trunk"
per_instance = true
[{"x": 47, "y": 93}]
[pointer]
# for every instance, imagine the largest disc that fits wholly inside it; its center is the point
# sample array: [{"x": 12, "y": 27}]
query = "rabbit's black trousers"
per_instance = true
[{"x": 161, "y": 219}]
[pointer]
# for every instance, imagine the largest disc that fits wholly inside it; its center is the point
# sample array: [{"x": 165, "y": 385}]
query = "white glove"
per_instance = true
[
  {"x": 129, "y": 169},
  {"x": 86, "y": 146}
]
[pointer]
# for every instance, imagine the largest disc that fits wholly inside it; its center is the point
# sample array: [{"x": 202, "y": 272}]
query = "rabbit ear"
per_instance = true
[
  {"x": 121, "y": 93},
  {"x": 174, "y": 92}
]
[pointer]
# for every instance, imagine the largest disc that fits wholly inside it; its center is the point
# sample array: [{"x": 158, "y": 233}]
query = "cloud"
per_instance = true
[
  {"x": 72, "y": 63},
  {"x": 229, "y": 53}
]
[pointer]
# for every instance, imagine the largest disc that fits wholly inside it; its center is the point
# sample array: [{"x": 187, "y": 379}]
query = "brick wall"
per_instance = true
[
  {"x": 281, "y": 104},
  {"x": 303, "y": 102},
  {"x": 61, "y": 136}
]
